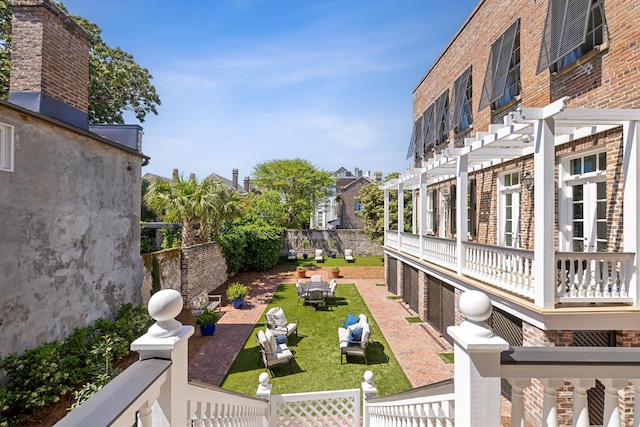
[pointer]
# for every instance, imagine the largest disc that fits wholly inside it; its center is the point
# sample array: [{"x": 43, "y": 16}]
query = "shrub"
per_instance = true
[
  {"x": 236, "y": 290},
  {"x": 40, "y": 376},
  {"x": 207, "y": 317},
  {"x": 251, "y": 247}
]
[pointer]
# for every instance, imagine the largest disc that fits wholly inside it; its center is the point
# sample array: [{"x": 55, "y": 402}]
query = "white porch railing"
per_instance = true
[
  {"x": 506, "y": 268},
  {"x": 440, "y": 251},
  {"x": 155, "y": 392},
  {"x": 593, "y": 277},
  {"x": 583, "y": 277}
]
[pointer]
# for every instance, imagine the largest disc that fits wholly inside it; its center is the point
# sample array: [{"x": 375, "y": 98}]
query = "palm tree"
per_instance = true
[
  {"x": 176, "y": 201},
  {"x": 225, "y": 204}
]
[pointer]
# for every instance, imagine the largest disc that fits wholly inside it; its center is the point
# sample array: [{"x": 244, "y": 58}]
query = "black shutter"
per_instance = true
[{"x": 495, "y": 78}]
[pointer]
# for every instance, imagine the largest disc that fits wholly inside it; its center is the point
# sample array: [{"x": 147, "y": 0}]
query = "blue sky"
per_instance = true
[{"x": 247, "y": 81}]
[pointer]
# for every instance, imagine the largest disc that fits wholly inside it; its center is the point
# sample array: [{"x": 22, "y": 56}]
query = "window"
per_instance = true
[
  {"x": 502, "y": 78},
  {"x": 583, "y": 213},
  {"x": 461, "y": 115},
  {"x": 320, "y": 224},
  {"x": 428, "y": 128},
  {"x": 6, "y": 148},
  {"x": 471, "y": 208},
  {"x": 357, "y": 206},
  {"x": 444, "y": 211},
  {"x": 509, "y": 210},
  {"x": 429, "y": 215},
  {"x": 438, "y": 122},
  {"x": 572, "y": 29}
]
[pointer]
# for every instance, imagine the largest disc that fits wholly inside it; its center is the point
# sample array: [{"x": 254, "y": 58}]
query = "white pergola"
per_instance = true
[{"x": 524, "y": 132}]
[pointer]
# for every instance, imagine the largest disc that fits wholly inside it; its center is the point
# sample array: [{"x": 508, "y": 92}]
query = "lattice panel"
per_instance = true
[
  {"x": 434, "y": 298},
  {"x": 326, "y": 412},
  {"x": 392, "y": 284},
  {"x": 448, "y": 310}
]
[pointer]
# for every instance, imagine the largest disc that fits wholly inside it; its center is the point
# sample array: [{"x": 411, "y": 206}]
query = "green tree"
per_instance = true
[
  {"x": 372, "y": 213},
  {"x": 225, "y": 205},
  {"x": 301, "y": 186},
  {"x": 176, "y": 201},
  {"x": 116, "y": 82},
  {"x": 266, "y": 208}
]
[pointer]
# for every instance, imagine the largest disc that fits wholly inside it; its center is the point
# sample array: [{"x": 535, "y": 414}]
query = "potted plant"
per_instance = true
[
  {"x": 302, "y": 271},
  {"x": 236, "y": 292},
  {"x": 305, "y": 245},
  {"x": 207, "y": 321},
  {"x": 335, "y": 272},
  {"x": 332, "y": 245}
]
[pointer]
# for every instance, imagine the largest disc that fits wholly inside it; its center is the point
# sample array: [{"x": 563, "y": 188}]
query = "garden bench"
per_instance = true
[{"x": 204, "y": 300}]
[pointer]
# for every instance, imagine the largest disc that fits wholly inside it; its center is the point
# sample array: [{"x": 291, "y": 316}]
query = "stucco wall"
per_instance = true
[
  {"x": 170, "y": 275},
  {"x": 319, "y": 239},
  {"x": 70, "y": 233}
]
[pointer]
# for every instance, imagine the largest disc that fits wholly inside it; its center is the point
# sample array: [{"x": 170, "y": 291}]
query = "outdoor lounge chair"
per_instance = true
[
  {"x": 332, "y": 290},
  {"x": 319, "y": 256},
  {"x": 292, "y": 254},
  {"x": 279, "y": 324},
  {"x": 272, "y": 353},
  {"x": 348, "y": 255},
  {"x": 350, "y": 346},
  {"x": 300, "y": 290}
]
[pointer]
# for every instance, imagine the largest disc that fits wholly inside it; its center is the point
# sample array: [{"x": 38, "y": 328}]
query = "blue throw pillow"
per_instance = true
[
  {"x": 355, "y": 335},
  {"x": 351, "y": 320}
]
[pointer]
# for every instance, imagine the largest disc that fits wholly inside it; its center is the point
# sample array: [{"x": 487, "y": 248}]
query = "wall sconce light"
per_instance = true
[{"x": 527, "y": 181}]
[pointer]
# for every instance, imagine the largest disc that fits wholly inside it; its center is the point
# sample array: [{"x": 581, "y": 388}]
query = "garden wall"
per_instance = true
[
  {"x": 189, "y": 271},
  {"x": 170, "y": 275},
  {"x": 319, "y": 239}
]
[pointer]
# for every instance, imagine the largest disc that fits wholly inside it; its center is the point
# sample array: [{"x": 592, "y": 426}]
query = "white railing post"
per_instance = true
[
  {"x": 168, "y": 339},
  {"x": 580, "y": 403},
  {"x": 517, "y": 401},
  {"x": 636, "y": 402},
  {"x": 369, "y": 390},
  {"x": 549, "y": 408},
  {"x": 477, "y": 369}
]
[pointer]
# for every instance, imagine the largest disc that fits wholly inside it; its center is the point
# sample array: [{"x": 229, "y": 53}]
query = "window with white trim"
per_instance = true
[
  {"x": 509, "y": 209},
  {"x": 6, "y": 148},
  {"x": 429, "y": 213},
  {"x": 572, "y": 29},
  {"x": 583, "y": 212}
]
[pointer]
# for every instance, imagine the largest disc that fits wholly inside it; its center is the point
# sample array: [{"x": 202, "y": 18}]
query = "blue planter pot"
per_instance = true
[
  {"x": 305, "y": 256},
  {"x": 237, "y": 303},
  {"x": 208, "y": 330}
]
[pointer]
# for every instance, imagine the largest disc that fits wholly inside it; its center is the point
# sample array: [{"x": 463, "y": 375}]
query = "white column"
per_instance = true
[
  {"x": 422, "y": 212},
  {"x": 264, "y": 388},
  {"x": 580, "y": 404},
  {"x": 477, "y": 368},
  {"x": 517, "y": 401},
  {"x": 611, "y": 415},
  {"x": 168, "y": 339},
  {"x": 462, "y": 228},
  {"x": 544, "y": 213},
  {"x": 386, "y": 214},
  {"x": 549, "y": 408},
  {"x": 369, "y": 390},
  {"x": 631, "y": 206}
]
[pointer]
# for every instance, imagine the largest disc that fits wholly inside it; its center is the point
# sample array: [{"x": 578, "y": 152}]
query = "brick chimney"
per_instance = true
[
  {"x": 246, "y": 184},
  {"x": 234, "y": 179},
  {"x": 49, "y": 62}
]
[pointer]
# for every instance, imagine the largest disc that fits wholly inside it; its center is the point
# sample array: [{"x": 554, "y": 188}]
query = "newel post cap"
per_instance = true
[
  {"x": 476, "y": 307},
  {"x": 164, "y": 307}
]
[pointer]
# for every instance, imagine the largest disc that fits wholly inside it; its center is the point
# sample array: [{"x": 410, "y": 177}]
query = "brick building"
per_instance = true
[{"x": 524, "y": 182}]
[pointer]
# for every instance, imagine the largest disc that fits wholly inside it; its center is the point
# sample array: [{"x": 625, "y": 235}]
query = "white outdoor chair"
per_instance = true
[
  {"x": 348, "y": 255},
  {"x": 272, "y": 353},
  {"x": 292, "y": 254},
  {"x": 319, "y": 256},
  {"x": 279, "y": 324}
]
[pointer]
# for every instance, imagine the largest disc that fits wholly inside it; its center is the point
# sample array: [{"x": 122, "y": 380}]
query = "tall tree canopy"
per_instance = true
[
  {"x": 300, "y": 184},
  {"x": 372, "y": 213},
  {"x": 116, "y": 82}
]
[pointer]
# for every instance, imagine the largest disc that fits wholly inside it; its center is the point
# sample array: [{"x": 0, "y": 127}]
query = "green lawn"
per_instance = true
[
  {"x": 317, "y": 362},
  {"x": 363, "y": 261}
]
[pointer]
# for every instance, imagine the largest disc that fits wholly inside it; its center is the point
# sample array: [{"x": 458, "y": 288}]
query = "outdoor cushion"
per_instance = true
[
  {"x": 264, "y": 342},
  {"x": 351, "y": 320},
  {"x": 279, "y": 318},
  {"x": 273, "y": 346},
  {"x": 366, "y": 332},
  {"x": 355, "y": 335}
]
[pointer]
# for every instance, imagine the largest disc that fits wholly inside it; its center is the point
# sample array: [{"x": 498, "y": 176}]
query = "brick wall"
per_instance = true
[
  {"x": 204, "y": 268},
  {"x": 50, "y": 53}
]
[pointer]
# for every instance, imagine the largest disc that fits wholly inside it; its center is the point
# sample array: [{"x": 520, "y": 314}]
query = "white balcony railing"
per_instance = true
[{"x": 581, "y": 277}]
